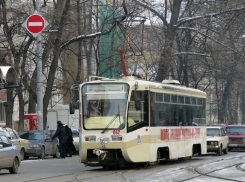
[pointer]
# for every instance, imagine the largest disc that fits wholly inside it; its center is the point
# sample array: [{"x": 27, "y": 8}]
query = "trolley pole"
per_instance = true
[{"x": 39, "y": 76}]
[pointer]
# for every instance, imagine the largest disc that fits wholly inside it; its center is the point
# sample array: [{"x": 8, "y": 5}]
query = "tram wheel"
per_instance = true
[
  {"x": 184, "y": 158},
  {"x": 181, "y": 159},
  {"x": 145, "y": 164}
]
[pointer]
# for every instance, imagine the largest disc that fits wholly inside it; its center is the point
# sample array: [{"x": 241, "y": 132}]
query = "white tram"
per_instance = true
[{"x": 130, "y": 120}]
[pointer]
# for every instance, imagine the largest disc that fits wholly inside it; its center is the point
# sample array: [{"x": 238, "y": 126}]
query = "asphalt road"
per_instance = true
[
  {"x": 202, "y": 168},
  {"x": 44, "y": 170}
]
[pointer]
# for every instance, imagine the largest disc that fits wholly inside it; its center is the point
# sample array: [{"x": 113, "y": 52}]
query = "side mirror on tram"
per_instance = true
[
  {"x": 137, "y": 104},
  {"x": 121, "y": 126},
  {"x": 72, "y": 108}
]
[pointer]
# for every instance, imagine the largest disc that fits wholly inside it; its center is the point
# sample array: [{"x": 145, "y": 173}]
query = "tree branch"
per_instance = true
[
  {"x": 184, "y": 20},
  {"x": 152, "y": 10},
  {"x": 97, "y": 34}
]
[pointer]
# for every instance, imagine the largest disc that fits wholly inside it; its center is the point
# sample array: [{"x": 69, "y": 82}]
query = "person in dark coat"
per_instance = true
[
  {"x": 61, "y": 135},
  {"x": 69, "y": 144}
]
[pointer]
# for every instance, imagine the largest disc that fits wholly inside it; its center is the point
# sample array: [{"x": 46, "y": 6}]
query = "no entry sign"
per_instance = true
[{"x": 35, "y": 24}]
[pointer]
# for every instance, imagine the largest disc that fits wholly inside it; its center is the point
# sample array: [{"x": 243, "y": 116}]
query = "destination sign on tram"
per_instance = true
[{"x": 106, "y": 88}]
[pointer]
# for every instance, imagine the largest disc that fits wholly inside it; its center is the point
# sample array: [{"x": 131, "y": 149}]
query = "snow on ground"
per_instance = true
[
  {"x": 35, "y": 160},
  {"x": 242, "y": 167}
]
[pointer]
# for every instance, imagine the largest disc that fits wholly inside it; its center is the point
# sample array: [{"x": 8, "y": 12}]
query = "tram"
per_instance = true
[{"x": 130, "y": 120}]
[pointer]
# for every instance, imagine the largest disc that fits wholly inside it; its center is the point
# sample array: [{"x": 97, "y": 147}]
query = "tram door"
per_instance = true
[
  {"x": 138, "y": 126},
  {"x": 154, "y": 135}
]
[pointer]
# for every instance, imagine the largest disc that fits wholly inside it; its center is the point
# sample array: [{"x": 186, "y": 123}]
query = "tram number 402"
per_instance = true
[{"x": 116, "y": 132}]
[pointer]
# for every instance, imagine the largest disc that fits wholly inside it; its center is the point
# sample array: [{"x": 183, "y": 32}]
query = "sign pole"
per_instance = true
[
  {"x": 39, "y": 76},
  {"x": 35, "y": 24}
]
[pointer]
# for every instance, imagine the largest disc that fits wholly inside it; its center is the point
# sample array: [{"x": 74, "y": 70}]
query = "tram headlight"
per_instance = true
[
  {"x": 116, "y": 137},
  {"x": 90, "y": 138}
]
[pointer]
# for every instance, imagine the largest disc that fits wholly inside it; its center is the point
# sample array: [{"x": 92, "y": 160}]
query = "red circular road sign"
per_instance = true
[{"x": 35, "y": 23}]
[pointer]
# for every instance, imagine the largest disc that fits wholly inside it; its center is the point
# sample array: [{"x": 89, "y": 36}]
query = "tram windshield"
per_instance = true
[{"x": 104, "y": 105}]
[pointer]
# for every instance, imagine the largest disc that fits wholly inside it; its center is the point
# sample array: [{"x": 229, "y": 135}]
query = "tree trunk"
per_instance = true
[
  {"x": 21, "y": 110},
  {"x": 32, "y": 105},
  {"x": 225, "y": 97},
  {"x": 79, "y": 57},
  {"x": 165, "y": 61},
  {"x": 9, "y": 108},
  {"x": 170, "y": 31},
  {"x": 54, "y": 64}
]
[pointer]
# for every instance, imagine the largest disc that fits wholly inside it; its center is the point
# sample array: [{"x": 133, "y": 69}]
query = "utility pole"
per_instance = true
[{"x": 39, "y": 76}]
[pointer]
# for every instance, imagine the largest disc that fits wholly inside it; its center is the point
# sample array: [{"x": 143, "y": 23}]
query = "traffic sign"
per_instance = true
[{"x": 35, "y": 24}]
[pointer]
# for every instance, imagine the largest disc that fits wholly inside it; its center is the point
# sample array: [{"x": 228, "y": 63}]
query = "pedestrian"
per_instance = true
[
  {"x": 69, "y": 144},
  {"x": 61, "y": 135}
]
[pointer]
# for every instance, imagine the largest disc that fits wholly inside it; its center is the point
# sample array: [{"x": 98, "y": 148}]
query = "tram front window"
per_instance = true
[{"x": 104, "y": 105}]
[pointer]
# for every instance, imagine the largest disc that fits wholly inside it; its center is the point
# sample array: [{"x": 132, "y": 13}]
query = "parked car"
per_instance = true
[
  {"x": 9, "y": 155},
  {"x": 236, "y": 134},
  {"x": 22, "y": 144},
  {"x": 75, "y": 135},
  {"x": 41, "y": 144},
  {"x": 217, "y": 141},
  {"x": 1, "y": 131}
]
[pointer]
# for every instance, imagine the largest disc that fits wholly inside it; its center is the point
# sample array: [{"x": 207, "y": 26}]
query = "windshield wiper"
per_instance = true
[
  {"x": 113, "y": 119},
  {"x": 119, "y": 114}
]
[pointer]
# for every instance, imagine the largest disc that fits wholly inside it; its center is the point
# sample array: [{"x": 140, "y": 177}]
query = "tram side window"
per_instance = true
[
  {"x": 177, "y": 114},
  {"x": 161, "y": 115},
  {"x": 153, "y": 113},
  {"x": 138, "y": 118}
]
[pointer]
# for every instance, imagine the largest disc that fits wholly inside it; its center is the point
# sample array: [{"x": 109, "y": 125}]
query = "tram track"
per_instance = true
[
  {"x": 50, "y": 177},
  {"x": 76, "y": 175},
  {"x": 122, "y": 175},
  {"x": 75, "y": 178},
  {"x": 217, "y": 177},
  {"x": 125, "y": 178},
  {"x": 238, "y": 167},
  {"x": 197, "y": 170}
]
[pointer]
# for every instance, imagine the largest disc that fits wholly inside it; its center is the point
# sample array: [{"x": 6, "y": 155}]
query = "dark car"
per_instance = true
[
  {"x": 41, "y": 144},
  {"x": 9, "y": 155}
]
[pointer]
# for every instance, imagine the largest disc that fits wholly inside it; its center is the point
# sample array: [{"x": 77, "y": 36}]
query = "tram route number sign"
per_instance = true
[
  {"x": 35, "y": 24},
  {"x": 116, "y": 132}
]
